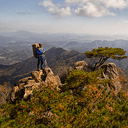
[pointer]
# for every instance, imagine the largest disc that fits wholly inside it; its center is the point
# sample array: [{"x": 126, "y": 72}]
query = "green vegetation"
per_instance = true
[
  {"x": 104, "y": 53},
  {"x": 84, "y": 101}
]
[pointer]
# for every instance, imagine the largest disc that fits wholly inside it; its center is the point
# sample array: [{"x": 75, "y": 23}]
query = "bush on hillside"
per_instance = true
[{"x": 91, "y": 106}]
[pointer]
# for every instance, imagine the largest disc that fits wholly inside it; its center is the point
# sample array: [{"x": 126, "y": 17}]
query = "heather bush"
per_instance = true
[{"x": 84, "y": 101}]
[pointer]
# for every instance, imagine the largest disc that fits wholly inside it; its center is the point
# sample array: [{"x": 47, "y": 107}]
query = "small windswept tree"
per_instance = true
[{"x": 102, "y": 54}]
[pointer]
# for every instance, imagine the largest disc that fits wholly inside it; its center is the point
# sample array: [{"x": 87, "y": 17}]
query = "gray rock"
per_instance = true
[
  {"x": 111, "y": 72},
  {"x": 57, "y": 79},
  {"x": 48, "y": 71},
  {"x": 52, "y": 81},
  {"x": 37, "y": 75},
  {"x": 31, "y": 82},
  {"x": 24, "y": 80},
  {"x": 28, "y": 91},
  {"x": 64, "y": 74},
  {"x": 80, "y": 63},
  {"x": 23, "y": 90},
  {"x": 21, "y": 85},
  {"x": 80, "y": 68}
]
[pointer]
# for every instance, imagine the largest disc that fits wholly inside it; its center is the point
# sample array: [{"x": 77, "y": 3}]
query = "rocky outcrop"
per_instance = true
[
  {"x": 79, "y": 65},
  {"x": 64, "y": 73},
  {"x": 23, "y": 89},
  {"x": 82, "y": 65},
  {"x": 110, "y": 72}
]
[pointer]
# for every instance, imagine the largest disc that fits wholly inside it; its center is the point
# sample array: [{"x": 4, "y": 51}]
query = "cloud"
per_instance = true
[
  {"x": 76, "y": 1},
  {"x": 23, "y": 13},
  {"x": 122, "y": 22},
  {"x": 125, "y": 22},
  {"x": 85, "y": 8},
  {"x": 116, "y": 4},
  {"x": 54, "y": 9},
  {"x": 91, "y": 10},
  {"x": 59, "y": 12},
  {"x": 46, "y": 3}
]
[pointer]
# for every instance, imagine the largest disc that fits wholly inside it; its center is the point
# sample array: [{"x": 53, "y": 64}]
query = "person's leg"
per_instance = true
[
  {"x": 42, "y": 60},
  {"x": 38, "y": 64}
]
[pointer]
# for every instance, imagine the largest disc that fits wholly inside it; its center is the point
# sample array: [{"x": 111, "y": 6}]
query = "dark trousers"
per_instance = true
[{"x": 40, "y": 61}]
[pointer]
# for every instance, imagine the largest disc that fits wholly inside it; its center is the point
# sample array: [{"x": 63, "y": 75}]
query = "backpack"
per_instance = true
[{"x": 34, "y": 47}]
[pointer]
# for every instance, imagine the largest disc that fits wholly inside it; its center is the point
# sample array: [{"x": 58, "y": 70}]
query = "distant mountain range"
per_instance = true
[
  {"x": 61, "y": 36},
  {"x": 82, "y": 47},
  {"x": 19, "y": 34}
]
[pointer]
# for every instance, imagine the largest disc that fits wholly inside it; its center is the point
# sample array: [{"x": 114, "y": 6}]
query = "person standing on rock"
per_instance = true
[{"x": 40, "y": 53}]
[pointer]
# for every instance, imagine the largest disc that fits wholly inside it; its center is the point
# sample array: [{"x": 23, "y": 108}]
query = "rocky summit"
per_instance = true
[{"x": 23, "y": 89}]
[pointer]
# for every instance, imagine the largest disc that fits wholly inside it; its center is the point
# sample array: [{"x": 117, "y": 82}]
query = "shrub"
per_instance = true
[{"x": 91, "y": 106}]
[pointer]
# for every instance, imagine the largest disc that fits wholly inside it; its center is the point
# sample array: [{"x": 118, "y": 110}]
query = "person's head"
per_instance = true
[{"x": 40, "y": 45}]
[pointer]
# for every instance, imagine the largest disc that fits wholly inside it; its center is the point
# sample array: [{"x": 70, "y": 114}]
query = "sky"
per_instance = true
[{"x": 99, "y": 17}]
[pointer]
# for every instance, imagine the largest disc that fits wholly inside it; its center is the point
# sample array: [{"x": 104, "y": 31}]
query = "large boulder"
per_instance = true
[
  {"x": 23, "y": 89},
  {"x": 82, "y": 65},
  {"x": 79, "y": 65},
  {"x": 51, "y": 81},
  {"x": 111, "y": 72},
  {"x": 64, "y": 73}
]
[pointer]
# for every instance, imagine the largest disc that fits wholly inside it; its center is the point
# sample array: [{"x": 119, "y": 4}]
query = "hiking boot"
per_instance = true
[
  {"x": 42, "y": 68},
  {"x": 38, "y": 69}
]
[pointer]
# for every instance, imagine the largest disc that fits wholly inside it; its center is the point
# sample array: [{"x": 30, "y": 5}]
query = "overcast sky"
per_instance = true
[{"x": 101, "y": 17}]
